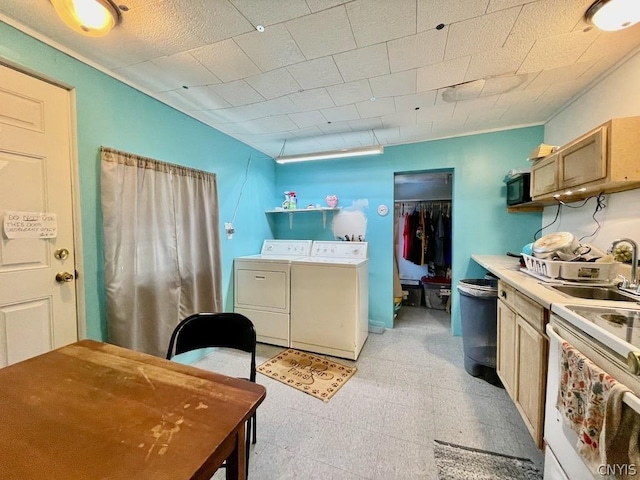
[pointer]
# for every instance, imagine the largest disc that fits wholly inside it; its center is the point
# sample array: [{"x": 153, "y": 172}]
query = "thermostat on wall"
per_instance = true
[{"x": 383, "y": 210}]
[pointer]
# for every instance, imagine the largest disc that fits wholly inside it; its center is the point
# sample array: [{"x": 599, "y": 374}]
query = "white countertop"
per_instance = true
[{"x": 508, "y": 270}]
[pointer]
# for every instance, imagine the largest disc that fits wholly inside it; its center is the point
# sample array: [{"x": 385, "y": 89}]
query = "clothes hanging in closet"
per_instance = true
[{"x": 427, "y": 234}]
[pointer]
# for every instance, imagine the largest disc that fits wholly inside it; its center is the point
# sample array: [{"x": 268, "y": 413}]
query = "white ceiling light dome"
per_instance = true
[
  {"x": 611, "y": 15},
  {"x": 94, "y": 18}
]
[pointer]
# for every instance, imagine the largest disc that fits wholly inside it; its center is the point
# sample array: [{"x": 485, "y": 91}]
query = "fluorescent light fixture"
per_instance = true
[
  {"x": 341, "y": 153},
  {"x": 611, "y": 15},
  {"x": 93, "y": 18}
]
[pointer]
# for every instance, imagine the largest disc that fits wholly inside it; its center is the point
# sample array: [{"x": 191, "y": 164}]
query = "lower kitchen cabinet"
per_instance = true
[{"x": 522, "y": 355}]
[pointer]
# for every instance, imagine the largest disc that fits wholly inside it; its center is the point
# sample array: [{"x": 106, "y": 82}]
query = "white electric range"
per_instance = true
[{"x": 262, "y": 288}]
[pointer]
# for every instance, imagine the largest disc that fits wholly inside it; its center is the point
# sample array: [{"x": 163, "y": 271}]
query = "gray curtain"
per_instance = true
[{"x": 161, "y": 248}]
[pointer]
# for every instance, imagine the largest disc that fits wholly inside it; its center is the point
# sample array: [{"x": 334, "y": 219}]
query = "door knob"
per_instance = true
[{"x": 63, "y": 277}]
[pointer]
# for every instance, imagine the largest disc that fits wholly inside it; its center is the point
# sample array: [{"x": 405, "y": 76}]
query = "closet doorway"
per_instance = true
[{"x": 423, "y": 239}]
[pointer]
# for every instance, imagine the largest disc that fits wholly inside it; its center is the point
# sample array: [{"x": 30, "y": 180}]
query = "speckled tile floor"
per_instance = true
[{"x": 410, "y": 389}]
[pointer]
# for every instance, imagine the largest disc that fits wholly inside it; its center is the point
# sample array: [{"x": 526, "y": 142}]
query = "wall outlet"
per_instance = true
[{"x": 228, "y": 226}]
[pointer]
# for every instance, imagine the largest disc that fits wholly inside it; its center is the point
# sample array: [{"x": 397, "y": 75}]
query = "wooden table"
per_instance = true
[{"x": 92, "y": 411}]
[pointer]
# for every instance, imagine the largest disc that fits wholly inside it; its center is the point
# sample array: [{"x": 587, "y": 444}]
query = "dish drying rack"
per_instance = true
[{"x": 556, "y": 271}]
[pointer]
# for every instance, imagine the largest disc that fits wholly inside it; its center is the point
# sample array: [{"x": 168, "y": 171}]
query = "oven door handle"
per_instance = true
[{"x": 629, "y": 398}]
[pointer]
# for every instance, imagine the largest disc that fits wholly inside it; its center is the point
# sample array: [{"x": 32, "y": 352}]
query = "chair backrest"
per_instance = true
[{"x": 204, "y": 330}]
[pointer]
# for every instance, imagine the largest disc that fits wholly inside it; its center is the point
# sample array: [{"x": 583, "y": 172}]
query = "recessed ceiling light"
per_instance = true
[
  {"x": 260, "y": 28},
  {"x": 611, "y": 15}
]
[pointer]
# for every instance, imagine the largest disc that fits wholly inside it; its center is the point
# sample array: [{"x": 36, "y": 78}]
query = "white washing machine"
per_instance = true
[
  {"x": 262, "y": 288},
  {"x": 330, "y": 299}
]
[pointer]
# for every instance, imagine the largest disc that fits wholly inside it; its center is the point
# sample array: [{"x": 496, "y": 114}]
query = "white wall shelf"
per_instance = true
[{"x": 324, "y": 211}]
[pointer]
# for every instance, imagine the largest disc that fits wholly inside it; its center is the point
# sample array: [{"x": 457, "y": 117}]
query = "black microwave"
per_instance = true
[{"x": 518, "y": 189}]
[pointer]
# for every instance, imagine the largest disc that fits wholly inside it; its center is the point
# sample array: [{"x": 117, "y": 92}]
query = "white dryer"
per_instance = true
[
  {"x": 262, "y": 288},
  {"x": 330, "y": 299}
]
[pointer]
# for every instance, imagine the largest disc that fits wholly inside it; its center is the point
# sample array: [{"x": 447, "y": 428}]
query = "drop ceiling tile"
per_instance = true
[
  {"x": 340, "y": 114},
  {"x": 149, "y": 76},
  {"x": 335, "y": 127},
  {"x": 321, "y": 72},
  {"x": 276, "y": 83},
  {"x": 375, "y": 21},
  {"x": 388, "y": 136},
  {"x": 566, "y": 73},
  {"x": 315, "y": 39},
  {"x": 519, "y": 97},
  {"x": 198, "y": 14},
  {"x": 185, "y": 69},
  {"x": 400, "y": 119},
  {"x": 613, "y": 45},
  {"x": 434, "y": 12},
  {"x": 495, "y": 5},
  {"x": 363, "y": 62},
  {"x": 425, "y": 48},
  {"x": 442, "y": 74},
  {"x": 315, "y": 99},
  {"x": 410, "y": 102},
  {"x": 557, "y": 51},
  {"x": 382, "y": 106},
  {"x": 365, "y": 124},
  {"x": 306, "y": 132},
  {"x": 445, "y": 128},
  {"x": 226, "y": 60},
  {"x": 363, "y": 138},
  {"x": 176, "y": 99},
  {"x": 469, "y": 107},
  {"x": 274, "y": 48},
  {"x": 307, "y": 119},
  {"x": 272, "y": 124},
  {"x": 415, "y": 132},
  {"x": 351, "y": 92},
  {"x": 272, "y": 11},
  {"x": 479, "y": 34},
  {"x": 529, "y": 27},
  {"x": 505, "y": 83},
  {"x": 237, "y": 93},
  {"x": 277, "y": 106},
  {"x": 403, "y": 83},
  {"x": 317, "y": 5},
  {"x": 496, "y": 62},
  {"x": 205, "y": 98},
  {"x": 436, "y": 112}
]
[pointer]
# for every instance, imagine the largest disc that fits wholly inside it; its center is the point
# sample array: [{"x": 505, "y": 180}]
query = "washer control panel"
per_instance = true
[
  {"x": 286, "y": 247},
  {"x": 356, "y": 250}
]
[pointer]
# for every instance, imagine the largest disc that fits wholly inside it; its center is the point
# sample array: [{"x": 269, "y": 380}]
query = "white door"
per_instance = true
[{"x": 37, "y": 313}]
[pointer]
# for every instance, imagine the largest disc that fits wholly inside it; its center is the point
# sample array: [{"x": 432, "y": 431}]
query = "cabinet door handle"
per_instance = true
[
  {"x": 260, "y": 277},
  {"x": 503, "y": 294}
]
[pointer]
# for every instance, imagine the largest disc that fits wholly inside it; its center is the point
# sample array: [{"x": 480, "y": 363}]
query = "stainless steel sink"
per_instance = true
[{"x": 595, "y": 293}]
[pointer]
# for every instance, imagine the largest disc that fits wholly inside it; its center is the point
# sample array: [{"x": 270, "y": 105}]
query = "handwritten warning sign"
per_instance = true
[{"x": 30, "y": 225}]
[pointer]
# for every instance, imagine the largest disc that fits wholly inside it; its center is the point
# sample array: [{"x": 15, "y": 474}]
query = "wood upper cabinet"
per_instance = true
[
  {"x": 544, "y": 176},
  {"x": 602, "y": 160},
  {"x": 522, "y": 355}
]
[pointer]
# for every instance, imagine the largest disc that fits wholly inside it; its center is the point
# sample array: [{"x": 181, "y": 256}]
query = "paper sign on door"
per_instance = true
[{"x": 30, "y": 225}]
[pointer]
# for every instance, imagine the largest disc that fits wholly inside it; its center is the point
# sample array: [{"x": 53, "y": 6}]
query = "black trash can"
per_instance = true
[{"x": 478, "y": 315}]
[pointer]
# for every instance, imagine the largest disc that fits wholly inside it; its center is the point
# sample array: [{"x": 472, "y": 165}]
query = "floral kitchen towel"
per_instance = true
[{"x": 582, "y": 399}]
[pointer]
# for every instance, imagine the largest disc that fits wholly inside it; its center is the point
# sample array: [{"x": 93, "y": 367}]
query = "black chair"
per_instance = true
[{"x": 230, "y": 330}]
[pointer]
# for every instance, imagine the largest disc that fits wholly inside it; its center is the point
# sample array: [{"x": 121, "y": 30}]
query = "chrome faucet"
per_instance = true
[{"x": 634, "y": 259}]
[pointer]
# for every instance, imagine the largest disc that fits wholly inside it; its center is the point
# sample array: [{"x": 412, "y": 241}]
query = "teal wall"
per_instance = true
[
  {"x": 481, "y": 223},
  {"x": 112, "y": 114}
]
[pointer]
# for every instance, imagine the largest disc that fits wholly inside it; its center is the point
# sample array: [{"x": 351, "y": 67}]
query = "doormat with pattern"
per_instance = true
[
  {"x": 456, "y": 462},
  {"x": 317, "y": 376}
]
